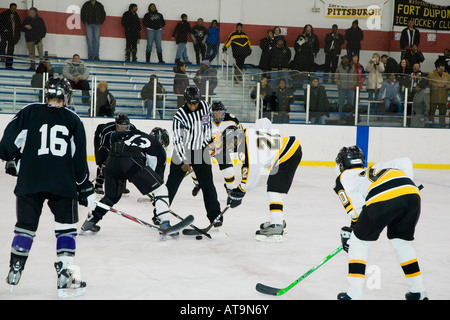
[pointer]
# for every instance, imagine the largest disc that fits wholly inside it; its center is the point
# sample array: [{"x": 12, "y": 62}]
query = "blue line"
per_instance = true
[{"x": 362, "y": 141}]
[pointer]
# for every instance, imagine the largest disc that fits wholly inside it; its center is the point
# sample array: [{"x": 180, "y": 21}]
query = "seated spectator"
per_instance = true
[
  {"x": 319, "y": 106},
  {"x": 403, "y": 72},
  {"x": 390, "y": 64},
  {"x": 389, "y": 94},
  {"x": 284, "y": 98},
  {"x": 147, "y": 96},
  {"x": 414, "y": 55},
  {"x": 180, "y": 82},
  {"x": 106, "y": 103},
  {"x": 445, "y": 59},
  {"x": 267, "y": 95},
  {"x": 77, "y": 73},
  {"x": 37, "y": 81},
  {"x": 421, "y": 105},
  {"x": 204, "y": 74}
]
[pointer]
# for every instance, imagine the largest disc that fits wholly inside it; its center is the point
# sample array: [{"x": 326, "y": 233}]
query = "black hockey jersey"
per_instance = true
[
  {"x": 103, "y": 130},
  {"x": 53, "y": 158}
]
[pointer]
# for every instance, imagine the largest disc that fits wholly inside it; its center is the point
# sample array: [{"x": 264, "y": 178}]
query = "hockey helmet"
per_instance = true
[
  {"x": 350, "y": 157},
  {"x": 232, "y": 138},
  {"x": 218, "y": 111},
  {"x": 162, "y": 135},
  {"x": 58, "y": 88},
  {"x": 192, "y": 95},
  {"x": 122, "y": 122}
]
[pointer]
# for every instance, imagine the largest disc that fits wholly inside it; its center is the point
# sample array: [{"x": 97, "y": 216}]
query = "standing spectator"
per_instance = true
[
  {"x": 10, "y": 27},
  {"x": 35, "y": 31},
  {"x": 403, "y": 72},
  {"x": 390, "y": 64},
  {"x": 333, "y": 42},
  {"x": 284, "y": 98},
  {"x": 375, "y": 71},
  {"x": 132, "y": 27},
  {"x": 345, "y": 79},
  {"x": 180, "y": 82},
  {"x": 279, "y": 57},
  {"x": 147, "y": 95},
  {"x": 206, "y": 73},
  {"x": 277, "y": 35},
  {"x": 445, "y": 59},
  {"x": 421, "y": 105},
  {"x": 77, "y": 73},
  {"x": 106, "y": 103},
  {"x": 306, "y": 47},
  {"x": 359, "y": 70},
  {"x": 153, "y": 22},
  {"x": 414, "y": 55},
  {"x": 416, "y": 76},
  {"x": 192, "y": 134},
  {"x": 199, "y": 34},
  {"x": 439, "y": 82},
  {"x": 181, "y": 32},
  {"x": 267, "y": 97},
  {"x": 213, "y": 40},
  {"x": 354, "y": 35},
  {"x": 319, "y": 106},
  {"x": 93, "y": 15},
  {"x": 409, "y": 37},
  {"x": 241, "y": 47},
  {"x": 266, "y": 44},
  {"x": 390, "y": 94}
]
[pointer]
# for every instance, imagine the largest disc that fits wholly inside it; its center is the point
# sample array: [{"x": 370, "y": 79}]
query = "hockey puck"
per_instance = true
[{"x": 198, "y": 237}]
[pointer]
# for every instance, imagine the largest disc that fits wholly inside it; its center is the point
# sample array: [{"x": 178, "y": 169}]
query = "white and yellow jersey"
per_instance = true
[
  {"x": 359, "y": 187},
  {"x": 217, "y": 128}
]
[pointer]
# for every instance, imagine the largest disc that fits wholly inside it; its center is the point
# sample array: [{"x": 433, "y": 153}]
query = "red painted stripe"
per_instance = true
[{"x": 377, "y": 41}]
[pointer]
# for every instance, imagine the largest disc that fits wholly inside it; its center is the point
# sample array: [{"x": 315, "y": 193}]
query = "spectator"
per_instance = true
[
  {"x": 266, "y": 44},
  {"x": 306, "y": 47},
  {"x": 279, "y": 57},
  {"x": 414, "y": 55},
  {"x": 277, "y": 35},
  {"x": 77, "y": 73},
  {"x": 389, "y": 94},
  {"x": 35, "y": 31},
  {"x": 199, "y": 34},
  {"x": 180, "y": 82},
  {"x": 181, "y": 32},
  {"x": 439, "y": 82},
  {"x": 10, "y": 27},
  {"x": 213, "y": 41},
  {"x": 319, "y": 106},
  {"x": 409, "y": 37},
  {"x": 93, "y": 15},
  {"x": 241, "y": 47},
  {"x": 204, "y": 74},
  {"x": 153, "y": 22},
  {"x": 106, "y": 103},
  {"x": 345, "y": 79},
  {"x": 147, "y": 96},
  {"x": 375, "y": 71},
  {"x": 354, "y": 35},
  {"x": 421, "y": 105},
  {"x": 37, "y": 81},
  {"x": 390, "y": 64},
  {"x": 332, "y": 49},
  {"x": 267, "y": 95},
  {"x": 284, "y": 98},
  {"x": 403, "y": 72},
  {"x": 416, "y": 76},
  {"x": 132, "y": 27},
  {"x": 445, "y": 59},
  {"x": 359, "y": 70}
]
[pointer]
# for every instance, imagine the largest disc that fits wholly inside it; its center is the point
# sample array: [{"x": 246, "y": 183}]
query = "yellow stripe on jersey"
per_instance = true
[{"x": 288, "y": 147}]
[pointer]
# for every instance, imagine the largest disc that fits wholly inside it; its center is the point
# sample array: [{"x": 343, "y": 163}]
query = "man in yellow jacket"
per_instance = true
[
  {"x": 242, "y": 48},
  {"x": 439, "y": 82}
]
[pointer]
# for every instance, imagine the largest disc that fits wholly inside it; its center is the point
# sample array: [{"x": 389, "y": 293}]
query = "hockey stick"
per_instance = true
[
  {"x": 189, "y": 232},
  {"x": 192, "y": 226},
  {"x": 173, "y": 229},
  {"x": 278, "y": 292}
]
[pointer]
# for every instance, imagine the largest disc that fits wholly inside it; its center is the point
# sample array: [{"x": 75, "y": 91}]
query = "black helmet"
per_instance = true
[
  {"x": 58, "y": 88},
  {"x": 192, "y": 95},
  {"x": 122, "y": 122},
  {"x": 218, "y": 111},
  {"x": 232, "y": 138},
  {"x": 351, "y": 157},
  {"x": 162, "y": 135}
]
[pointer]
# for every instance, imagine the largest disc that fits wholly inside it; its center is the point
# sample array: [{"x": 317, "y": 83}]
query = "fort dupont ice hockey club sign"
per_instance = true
[{"x": 424, "y": 14}]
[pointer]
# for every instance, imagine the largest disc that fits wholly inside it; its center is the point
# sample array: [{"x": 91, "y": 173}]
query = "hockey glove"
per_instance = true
[
  {"x": 12, "y": 167},
  {"x": 235, "y": 197},
  {"x": 346, "y": 232},
  {"x": 86, "y": 196}
]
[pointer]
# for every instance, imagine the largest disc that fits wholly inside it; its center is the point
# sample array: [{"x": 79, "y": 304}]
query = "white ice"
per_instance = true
[{"x": 126, "y": 260}]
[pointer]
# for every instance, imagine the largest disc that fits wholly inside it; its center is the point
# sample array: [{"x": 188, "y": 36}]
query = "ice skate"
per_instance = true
[
  {"x": 196, "y": 190},
  {"x": 90, "y": 225},
  {"x": 68, "y": 285},
  {"x": 270, "y": 233},
  {"x": 99, "y": 190},
  {"x": 15, "y": 272}
]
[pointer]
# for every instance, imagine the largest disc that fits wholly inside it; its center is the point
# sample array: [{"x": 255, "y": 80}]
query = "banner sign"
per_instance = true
[
  {"x": 338, "y": 11},
  {"x": 424, "y": 14}
]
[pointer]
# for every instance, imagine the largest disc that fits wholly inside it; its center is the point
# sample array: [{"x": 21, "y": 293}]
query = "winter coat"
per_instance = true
[
  {"x": 333, "y": 45},
  {"x": 354, "y": 36},
  {"x": 93, "y": 13},
  {"x": 389, "y": 90},
  {"x": 72, "y": 70},
  {"x": 106, "y": 103},
  {"x": 405, "y": 38},
  {"x": 284, "y": 99},
  {"x": 279, "y": 58},
  {"x": 345, "y": 78},
  {"x": 439, "y": 94},
  {"x": 180, "y": 81},
  {"x": 240, "y": 44},
  {"x": 6, "y": 27},
  {"x": 213, "y": 35},
  {"x": 131, "y": 25},
  {"x": 181, "y": 31},
  {"x": 153, "y": 20},
  {"x": 38, "y": 29},
  {"x": 318, "y": 101},
  {"x": 147, "y": 90},
  {"x": 374, "y": 76},
  {"x": 204, "y": 75},
  {"x": 266, "y": 44}
]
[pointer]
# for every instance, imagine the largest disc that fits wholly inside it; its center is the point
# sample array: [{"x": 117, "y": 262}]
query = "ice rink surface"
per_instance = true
[{"x": 126, "y": 261}]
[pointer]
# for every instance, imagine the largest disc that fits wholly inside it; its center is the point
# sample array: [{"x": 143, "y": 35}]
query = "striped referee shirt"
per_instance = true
[{"x": 191, "y": 130}]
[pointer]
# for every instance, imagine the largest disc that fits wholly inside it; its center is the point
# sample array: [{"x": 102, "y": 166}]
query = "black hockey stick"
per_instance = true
[
  {"x": 200, "y": 231},
  {"x": 189, "y": 232},
  {"x": 173, "y": 229},
  {"x": 278, "y": 292}
]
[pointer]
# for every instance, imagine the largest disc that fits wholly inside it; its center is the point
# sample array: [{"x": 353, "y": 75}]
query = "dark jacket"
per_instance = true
[
  {"x": 333, "y": 44},
  {"x": 404, "y": 38},
  {"x": 93, "y": 14},
  {"x": 354, "y": 36},
  {"x": 279, "y": 57},
  {"x": 132, "y": 25},
  {"x": 147, "y": 90},
  {"x": 180, "y": 81},
  {"x": 284, "y": 99},
  {"x": 6, "y": 29},
  {"x": 181, "y": 31},
  {"x": 153, "y": 20},
  {"x": 37, "y": 31},
  {"x": 106, "y": 104},
  {"x": 266, "y": 44},
  {"x": 240, "y": 44},
  {"x": 318, "y": 101}
]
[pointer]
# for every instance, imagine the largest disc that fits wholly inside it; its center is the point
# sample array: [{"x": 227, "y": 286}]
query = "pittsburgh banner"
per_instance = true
[
  {"x": 338, "y": 11},
  {"x": 424, "y": 14}
]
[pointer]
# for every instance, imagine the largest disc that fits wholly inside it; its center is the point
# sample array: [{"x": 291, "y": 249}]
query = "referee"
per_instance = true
[{"x": 191, "y": 137}]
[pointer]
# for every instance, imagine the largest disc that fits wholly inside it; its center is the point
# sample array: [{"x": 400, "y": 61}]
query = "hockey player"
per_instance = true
[
  {"x": 265, "y": 152},
  {"x": 139, "y": 158},
  {"x": 52, "y": 137},
  {"x": 220, "y": 121},
  {"x": 102, "y": 131},
  {"x": 383, "y": 195}
]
